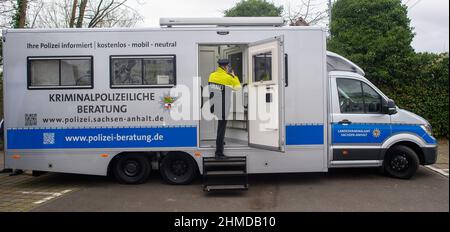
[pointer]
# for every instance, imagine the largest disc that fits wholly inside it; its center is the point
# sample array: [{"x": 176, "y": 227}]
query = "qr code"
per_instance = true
[
  {"x": 49, "y": 138},
  {"x": 30, "y": 119}
]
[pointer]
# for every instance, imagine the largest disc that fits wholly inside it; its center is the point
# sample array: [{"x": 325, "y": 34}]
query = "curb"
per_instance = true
[{"x": 437, "y": 170}]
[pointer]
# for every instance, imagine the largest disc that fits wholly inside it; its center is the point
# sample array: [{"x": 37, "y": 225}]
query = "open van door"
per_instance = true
[{"x": 266, "y": 94}]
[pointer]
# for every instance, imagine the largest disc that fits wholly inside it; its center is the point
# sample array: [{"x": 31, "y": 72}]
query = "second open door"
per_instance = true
[{"x": 266, "y": 94}]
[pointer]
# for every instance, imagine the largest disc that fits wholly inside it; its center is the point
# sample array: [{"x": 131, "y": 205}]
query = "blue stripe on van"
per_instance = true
[
  {"x": 413, "y": 129},
  {"x": 135, "y": 137},
  {"x": 102, "y": 138},
  {"x": 304, "y": 135},
  {"x": 187, "y": 136},
  {"x": 358, "y": 133}
]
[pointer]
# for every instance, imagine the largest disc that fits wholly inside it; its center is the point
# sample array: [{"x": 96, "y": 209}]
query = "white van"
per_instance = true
[{"x": 100, "y": 101}]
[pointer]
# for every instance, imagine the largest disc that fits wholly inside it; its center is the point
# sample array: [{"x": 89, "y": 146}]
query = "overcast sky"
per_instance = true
[{"x": 430, "y": 18}]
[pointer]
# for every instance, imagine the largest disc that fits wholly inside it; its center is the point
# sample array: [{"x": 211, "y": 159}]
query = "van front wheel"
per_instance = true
[
  {"x": 178, "y": 169},
  {"x": 401, "y": 162}
]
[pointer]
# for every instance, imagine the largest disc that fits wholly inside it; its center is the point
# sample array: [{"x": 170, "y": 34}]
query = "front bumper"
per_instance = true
[{"x": 429, "y": 155}]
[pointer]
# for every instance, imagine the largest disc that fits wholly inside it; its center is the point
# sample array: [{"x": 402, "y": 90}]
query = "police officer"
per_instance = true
[{"x": 220, "y": 83}]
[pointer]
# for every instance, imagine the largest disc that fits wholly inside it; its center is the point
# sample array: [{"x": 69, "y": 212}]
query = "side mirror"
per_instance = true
[{"x": 390, "y": 107}]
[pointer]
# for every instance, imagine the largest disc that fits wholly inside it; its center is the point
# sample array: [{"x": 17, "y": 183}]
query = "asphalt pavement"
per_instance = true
[{"x": 338, "y": 191}]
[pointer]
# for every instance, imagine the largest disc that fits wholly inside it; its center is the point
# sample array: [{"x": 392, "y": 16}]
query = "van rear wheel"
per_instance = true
[
  {"x": 178, "y": 169},
  {"x": 131, "y": 169},
  {"x": 401, "y": 162}
]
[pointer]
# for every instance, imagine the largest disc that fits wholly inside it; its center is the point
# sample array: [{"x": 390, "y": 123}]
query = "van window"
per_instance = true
[
  {"x": 357, "y": 97},
  {"x": 127, "y": 71},
  {"x": 236, "y": 62},
  {"x": 372, "y": 100},
  {"x": 262, "y": 65},
  {"x": 59, "y": 72},
  {"x": 350, "y": 96},
  {"x": 142, "y": 71}
]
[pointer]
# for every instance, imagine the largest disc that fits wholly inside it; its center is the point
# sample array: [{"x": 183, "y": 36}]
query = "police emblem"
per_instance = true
[
  {"x": 167, "y": 102},
  {"x": 376, "y": 133}
]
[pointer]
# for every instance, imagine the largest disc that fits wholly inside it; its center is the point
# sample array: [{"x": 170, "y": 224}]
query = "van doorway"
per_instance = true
[{"x": 237, "y": 126}]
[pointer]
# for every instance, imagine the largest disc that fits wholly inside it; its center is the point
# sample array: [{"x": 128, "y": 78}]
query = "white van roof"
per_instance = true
[
  {"x": 223, "y": 21},
  {"x": 337, "y": 62}
]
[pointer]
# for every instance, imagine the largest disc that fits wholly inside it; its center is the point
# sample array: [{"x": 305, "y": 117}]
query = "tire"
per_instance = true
[
  {"x": 401, "y": 162},
  {"x": 131, "y": 169},
  {"x": 178, "y": 169}
]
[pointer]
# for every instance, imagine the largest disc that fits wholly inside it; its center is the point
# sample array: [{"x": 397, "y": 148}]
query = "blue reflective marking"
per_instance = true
[
  {"x": 187, "y": 136},
  {"x": 135, "y": 137},
  {"x": 374, "y": 133},
  {"x": 414, "y": 129},
  {"x": 102, "y": 138},
  {"x": 304, "y": 135},
  {"x": 360, "y": 133}
]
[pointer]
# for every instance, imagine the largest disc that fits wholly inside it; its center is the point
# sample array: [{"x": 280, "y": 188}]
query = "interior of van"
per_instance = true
[{"x": 237, "y": 128}]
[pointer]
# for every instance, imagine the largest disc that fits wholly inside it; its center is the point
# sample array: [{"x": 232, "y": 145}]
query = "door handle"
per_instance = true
[
  {"x": 345, "y": 122},
  {"x": 201, "y": 96},
  {"x": 244, "y": 96}
]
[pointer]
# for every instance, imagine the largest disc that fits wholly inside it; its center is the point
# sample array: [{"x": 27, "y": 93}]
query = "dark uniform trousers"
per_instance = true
[
  {"x": 221, "y": 128},
  {"x": 220, "y": 97}
]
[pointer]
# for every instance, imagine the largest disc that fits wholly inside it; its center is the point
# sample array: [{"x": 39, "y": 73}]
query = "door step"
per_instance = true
[
  {"x": 210, "y": 188},
  {"x": 229, "y": 173}
]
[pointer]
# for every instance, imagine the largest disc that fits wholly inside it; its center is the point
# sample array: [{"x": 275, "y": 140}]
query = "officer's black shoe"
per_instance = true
[{"x": 220, "y": 156}]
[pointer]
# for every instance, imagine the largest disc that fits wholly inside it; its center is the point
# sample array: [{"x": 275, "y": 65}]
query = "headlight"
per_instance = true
[{"x": 427, "y": 128}]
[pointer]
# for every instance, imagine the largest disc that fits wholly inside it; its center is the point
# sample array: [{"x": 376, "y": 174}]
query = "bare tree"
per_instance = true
[
  {"x": 10, "y": 11},
  {"x": 20, "y": 13},
  {"x": 73, "y": 14},
  {"x": 84, "y": 13},
  {"x": 6, "y": 12},
  {"x": 112, "y": 13},
  {"x": 50, "y": 14},
  {"x": 307, "y": 12},
  {"x": 34, "y": 11},
  {"x": 81, "y": 11}
]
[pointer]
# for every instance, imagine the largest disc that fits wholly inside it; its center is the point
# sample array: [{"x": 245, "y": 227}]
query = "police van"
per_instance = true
[{"x": 127, "y": 102}]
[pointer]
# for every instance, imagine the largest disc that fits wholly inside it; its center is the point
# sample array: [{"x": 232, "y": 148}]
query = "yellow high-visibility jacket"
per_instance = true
[{"x": 221, "y": 77}]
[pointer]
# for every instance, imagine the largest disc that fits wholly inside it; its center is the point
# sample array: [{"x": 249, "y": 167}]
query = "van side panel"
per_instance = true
[{"x": 68, "y": 130}]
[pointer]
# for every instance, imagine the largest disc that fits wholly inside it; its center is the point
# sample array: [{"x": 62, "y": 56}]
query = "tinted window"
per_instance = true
[
  {"x": 358, "y": 97},
  {"x": 262, "y": 65},
  {"x": 372, "y": 100},
  {"x": 127, "y": 71},
  {"x": 350, "y": 96},
  {"x": 144, "y": 71},
  {"x": 44, "y": 72},
  {"x": 76, "y": 72},
  {"x": 236, "y": 63},
  {"x": 70, "y": 72},
  {"x": 159, "y": 71}
]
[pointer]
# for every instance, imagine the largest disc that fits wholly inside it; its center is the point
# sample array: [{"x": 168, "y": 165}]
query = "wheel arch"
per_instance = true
[{"x": 409, "y": 140}]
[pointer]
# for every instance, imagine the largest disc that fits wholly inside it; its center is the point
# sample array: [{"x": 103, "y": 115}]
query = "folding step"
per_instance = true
[
  {"x": 229, "y": 173},
  {"x": 224, "y": 165},
  {"x": 228, "y": 159},
  {"x": 210, "y": 188}
]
